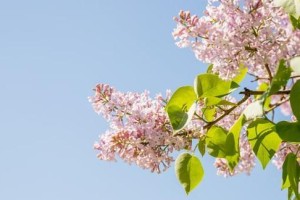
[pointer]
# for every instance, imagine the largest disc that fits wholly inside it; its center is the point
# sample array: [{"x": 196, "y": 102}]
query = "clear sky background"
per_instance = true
[{"x": 52, "y": 54}]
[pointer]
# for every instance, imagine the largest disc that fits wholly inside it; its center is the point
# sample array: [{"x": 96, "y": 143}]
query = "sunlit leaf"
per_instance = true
[
  {"x": 232, "y": 142},
  {"x": 209, "y": 113},
  {"x": 241, "y": 74},
  {"x": 216, "y": 101},
  {"x": 209, "y": 69},
  {"x": 207, "y": 85},
  {"x": 189, "y": 171},
  {"x": 263, "y": 140},
  {"x": 202, "y": 146},
  {"x": 216, "y": 141},
  {"x": 181, "y": 107}
]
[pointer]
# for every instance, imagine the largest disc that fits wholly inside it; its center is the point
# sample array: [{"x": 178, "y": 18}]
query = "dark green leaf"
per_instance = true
[
  {"x": 207, "y": 85},
  {"x": 291, "y": 174},
  {"x": 189, "y": 171},
  {"x": 181, "y": 107},
  {"x": 295, "y": 99},
  {"x": 288, "y": 131},
  {"x": 295, "y": 22},
  {"x": 281, "y": 78},
  {"x": 263, "y": 140},
  {"x": 216, "y": 141}
]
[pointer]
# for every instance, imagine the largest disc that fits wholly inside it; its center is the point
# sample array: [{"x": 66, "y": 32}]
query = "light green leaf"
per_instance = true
[
  {"x": 254, "y": 110},
  {"x": 288, "y": 131},
  {"x": 232, "y": 142},
  {"x": 207, "y": 85},
  {"x": 264, "y": 87},
  {"x": 263, "y": 140},
  {"x": 241, "y": 75},
  {"x": 189, "y": 171},
  {"x": 209, "y": 113},
  {"x": 290, "y": 6},
  {"x": 295, "y": 99},
  {"x": 202, "y": 146},
  {"x": 215, "y": 101},
  {"x": 181, "y": 107},
  {"x": 216, "y": 141},
  {"x": 209, "y": 69},
  {"x": 280, "y": 79},
  {"x": 291, "y": 174}
]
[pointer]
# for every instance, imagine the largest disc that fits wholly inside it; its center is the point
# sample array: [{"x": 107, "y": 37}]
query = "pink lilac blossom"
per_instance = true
[
  {"x": 285, "y": 107},
  {"x": 283, "y": 151},
  {"x": 140, "y": 131},
  {"x": 256, "y": 34}
]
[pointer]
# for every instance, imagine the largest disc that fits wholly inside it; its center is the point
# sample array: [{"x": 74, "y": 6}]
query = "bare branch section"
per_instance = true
[
  {"x": 252, "y": 92},
  {"x": 247, "y": 93},
  {"x": 227, "y": 112}
]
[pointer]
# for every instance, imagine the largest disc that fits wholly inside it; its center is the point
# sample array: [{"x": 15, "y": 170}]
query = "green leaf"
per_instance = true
[
  {"x": 181, "y": 107},
  {"x": 189, "y": 171},
  {"x": 232, "y": 142},
  {"x": 288, "y": 131},
  {"x": 254, "y": 110},
  {"x": 209, "y": 113},
  {"x": 295, "y": 64},
  {"x": 209, "y": 69},
  {"x": 290, "y": 6},
  {"x": 207, "y": 85},
  {"x": 281, "y": 78},
  {"x": 291, "y": 174},
  {"x": 216, "y": 141},
  {"x": 263, "y": 140},
  {"x": 215, "y": 101},
  {"x": 241, "y": 75},
  {"x": 295, "y": 22},
  {"x": 201, "y": 146},
  {"x": 264, "y": 87},
  {"x": 295, "y": 99}
]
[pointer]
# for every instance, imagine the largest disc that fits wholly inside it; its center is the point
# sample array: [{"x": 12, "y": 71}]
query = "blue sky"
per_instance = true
[{"x": 52, "y": 53}]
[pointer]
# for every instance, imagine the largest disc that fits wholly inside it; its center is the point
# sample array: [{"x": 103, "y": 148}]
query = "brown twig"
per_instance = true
[
  {"x": 269, "y": 72},
  {"x": 210, "y": 124},
  {"x": 252, "y": 92}
]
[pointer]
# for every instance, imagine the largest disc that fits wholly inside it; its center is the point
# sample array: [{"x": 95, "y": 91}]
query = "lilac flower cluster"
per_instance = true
[
  {"x": 140, "y": 131},
  {"x": 254, "y": 33}
]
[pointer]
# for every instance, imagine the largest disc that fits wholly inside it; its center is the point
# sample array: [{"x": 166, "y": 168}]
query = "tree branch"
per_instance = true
[
  {"x": 252, "y": 92},
  {"x": 227, "y": 112},
  {"x": 269, "y": 72}
]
